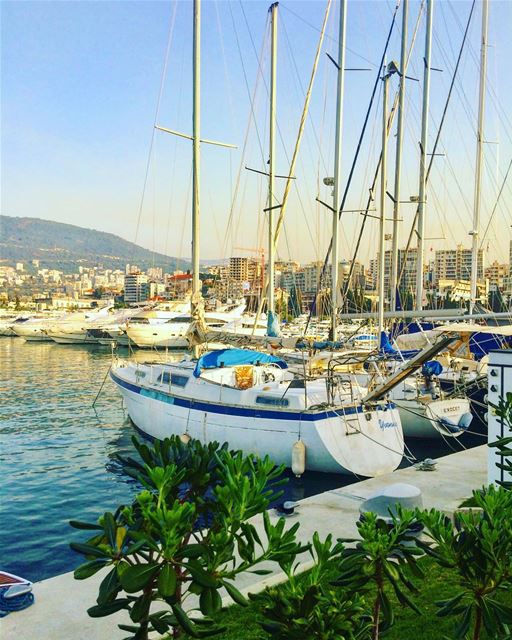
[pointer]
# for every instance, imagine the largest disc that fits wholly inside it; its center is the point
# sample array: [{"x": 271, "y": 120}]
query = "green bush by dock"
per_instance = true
[{"x": 438, "y": 584}]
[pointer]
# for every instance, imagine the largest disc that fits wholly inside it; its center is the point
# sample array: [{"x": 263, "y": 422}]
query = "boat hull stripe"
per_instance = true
[{"x": 233, "y": 410}]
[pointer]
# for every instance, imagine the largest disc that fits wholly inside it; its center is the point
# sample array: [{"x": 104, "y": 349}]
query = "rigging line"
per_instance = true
[
  {"x": 305, "y": 111},
  {"x": 369, "y": 201},
  {"x": 184, "y": 220},
  {"x": 252, "y": 118},
  {"x": 438, "y": 135},
  {"x": 260, "y": 68},
  {"x": 335, "y": 40},
  {"x": 299, "y": 82},
  {"x": 359, "y": 144},
  {"x": 500, "y": 111},
  {"x": 157, "y": 111},
  {"x": 352, "y": 264},
  {"x": 225, "y": 63},
  {"x": 279, "y": 131},
  {"x": 175, "y": 154},
  {"x": 496, "y": 203}
]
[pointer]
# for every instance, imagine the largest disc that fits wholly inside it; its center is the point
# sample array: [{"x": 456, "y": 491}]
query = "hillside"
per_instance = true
[{"x": 63, "y": 246}]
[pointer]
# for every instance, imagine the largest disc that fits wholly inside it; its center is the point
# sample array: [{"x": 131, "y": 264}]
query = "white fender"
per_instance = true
[{"x": 298, "y": 457}]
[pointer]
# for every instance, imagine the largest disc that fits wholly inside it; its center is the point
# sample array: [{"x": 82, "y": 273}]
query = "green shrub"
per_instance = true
[
  {"x": 479, "y": 550},
  {"x": 186, "y": 533}
]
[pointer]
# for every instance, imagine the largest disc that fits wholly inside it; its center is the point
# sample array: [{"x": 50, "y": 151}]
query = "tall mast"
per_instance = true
[
  {"x": 196, "y": 146},
  {"x": 423, "y": 159},
  {"x": 479, "y": 156},
  {"x": 272, "y": 153},
  {"x": 393, "y": 283},
  {"x": 383, "y": 174},
  {"x": 337, "y": 168}
]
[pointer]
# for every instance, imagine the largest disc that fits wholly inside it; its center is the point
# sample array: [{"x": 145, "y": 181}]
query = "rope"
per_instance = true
[
  {"x": 157, "y": 111},
  {"x": 439, "y": 129},
  {"x": 356, "y": 156},
  {"x": 17, "y": 603}
]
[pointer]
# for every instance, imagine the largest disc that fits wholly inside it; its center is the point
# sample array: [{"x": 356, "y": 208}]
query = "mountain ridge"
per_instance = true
[{"x": 61, "y": 246}]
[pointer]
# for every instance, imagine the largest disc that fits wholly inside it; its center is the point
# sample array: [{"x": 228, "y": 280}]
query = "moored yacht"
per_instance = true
[
  {"x": 252, "y": 401},
  {"x": 34, "y": 329},
  {"x": 172, "y": 333}
]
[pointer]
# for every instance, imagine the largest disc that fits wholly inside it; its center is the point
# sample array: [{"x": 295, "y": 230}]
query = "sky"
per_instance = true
[{"x": 83, "y": 84}]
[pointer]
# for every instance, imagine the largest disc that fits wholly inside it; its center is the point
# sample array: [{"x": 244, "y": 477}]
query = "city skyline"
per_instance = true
[{"x": 78, "y": 114}]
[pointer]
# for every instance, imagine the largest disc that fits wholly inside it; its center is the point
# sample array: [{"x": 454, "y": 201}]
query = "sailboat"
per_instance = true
[{"x": 251, "y": 399}]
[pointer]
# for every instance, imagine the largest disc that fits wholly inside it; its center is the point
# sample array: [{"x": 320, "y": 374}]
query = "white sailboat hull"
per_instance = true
[
  {"x": 366, "y": 443},
  {"x": 435, "y": 419}
]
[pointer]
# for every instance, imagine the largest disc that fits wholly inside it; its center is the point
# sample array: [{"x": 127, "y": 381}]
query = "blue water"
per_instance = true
[{"x": 56, "y": 453}]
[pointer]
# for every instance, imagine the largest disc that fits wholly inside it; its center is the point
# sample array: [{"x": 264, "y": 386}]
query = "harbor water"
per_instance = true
[{"x": 57, "y": 452}]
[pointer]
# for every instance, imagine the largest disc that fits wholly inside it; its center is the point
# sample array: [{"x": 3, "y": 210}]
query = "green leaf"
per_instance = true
[
  {"x": 109, "y": 525},
  {"x": 261, "y": 572},
  {"x": 140, "y": 609},
  {"x": 192, "y": 551},
  {"x": 202, "y": 577},
  {"x": 109, "y": 587},
  {"x": 210, "y": 602},
  {"x": 463, "y": 627},
  {"x": 387, "y": 610},
  {"x": 89, "y": 569},
  {"x": 184, "y": 621},
  {"x": 160, "y": 624},
  {"x": 235, "y": 594},
  {"x": 447, "y": 606},
  {"x": 102, "y": 610},
  {"x": 136, "y": 577},
  {"x": 88, "y": 550},
  {"x": 167, "y": 581},
  {"x": 85, "y": 525}
]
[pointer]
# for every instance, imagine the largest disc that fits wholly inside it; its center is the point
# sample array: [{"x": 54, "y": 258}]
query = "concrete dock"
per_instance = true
[{"x": 61, "y": 603}]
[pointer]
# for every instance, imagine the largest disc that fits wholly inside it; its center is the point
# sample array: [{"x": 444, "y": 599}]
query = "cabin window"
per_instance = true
[
  {"x": 272, "y": 401},
  {"x": 179, "y": 381},
  {"x": 174, "y": 378}
]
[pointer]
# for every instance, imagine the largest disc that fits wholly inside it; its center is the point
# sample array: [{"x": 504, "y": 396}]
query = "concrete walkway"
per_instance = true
[{"x": 61, "y": 603}]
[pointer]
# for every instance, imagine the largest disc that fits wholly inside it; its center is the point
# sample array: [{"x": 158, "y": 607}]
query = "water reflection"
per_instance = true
[{"x": 58, "y": 452}]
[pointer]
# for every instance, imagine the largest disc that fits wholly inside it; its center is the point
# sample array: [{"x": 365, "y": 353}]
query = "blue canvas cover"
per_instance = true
[
  {"x": 387, "y": 349},
  {"x": 431, "y": 368},
  {"x": 232, "y": 357}
]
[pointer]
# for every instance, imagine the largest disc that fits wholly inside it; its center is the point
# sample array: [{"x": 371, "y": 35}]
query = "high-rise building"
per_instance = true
[
  {"x": 455, "y": 264},
  {"x": 136, "y": 287},
  {"x": 407, "y": 261},
  {"x": 497, "y": 275},
  {"x": 239, "y": 269}
]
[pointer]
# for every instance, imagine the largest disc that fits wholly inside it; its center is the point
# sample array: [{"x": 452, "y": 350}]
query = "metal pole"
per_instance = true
[
  {"x": 272, "y": 153},
  {"x": 422, "y": 196},
  {"x": 196, "y": 141},
  {"x": 479, "y": 156},
  {"x": 335, "y": 293},
  {"x": 393, "y": 284},
  {"x": 383, "y": 173}
]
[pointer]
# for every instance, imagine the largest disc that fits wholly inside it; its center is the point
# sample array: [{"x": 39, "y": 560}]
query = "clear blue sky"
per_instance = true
[{"x": 80, "y": 85}]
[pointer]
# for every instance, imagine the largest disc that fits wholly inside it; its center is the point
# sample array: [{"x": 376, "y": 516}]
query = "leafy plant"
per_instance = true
[
  {"x": 504, "y": 411},
  {"x": 307, "y": 607},
  {"x": 479, "y": 549},
  {"x": 185, "y": 537},
  {"x": 385, "y": 557}
]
